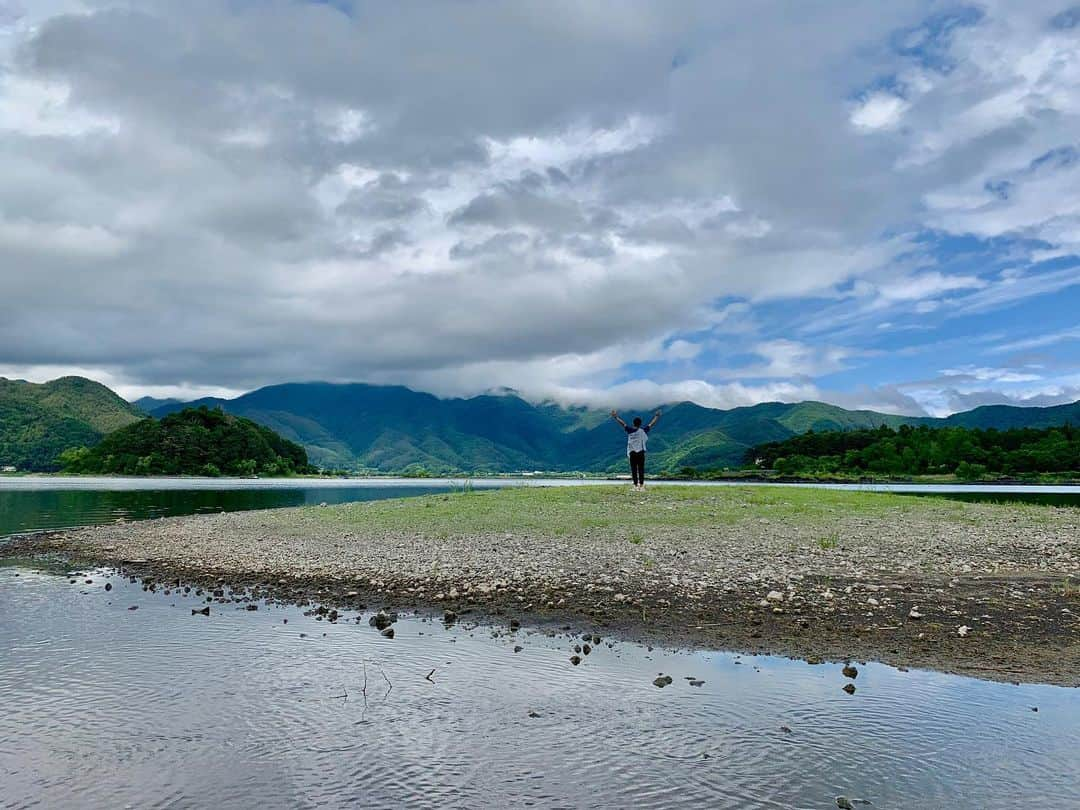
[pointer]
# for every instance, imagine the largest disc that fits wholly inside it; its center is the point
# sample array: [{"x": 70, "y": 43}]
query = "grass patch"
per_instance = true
[
  {"x": 618, "y": 513},
  {"x": 829, "y": 541}
]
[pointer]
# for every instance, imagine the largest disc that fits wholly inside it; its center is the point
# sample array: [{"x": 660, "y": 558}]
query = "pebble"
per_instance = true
[
  {"x": 850, "y": 671},
  {"x": 662, "y": 681},
  {"x": 849, "y": 688}
]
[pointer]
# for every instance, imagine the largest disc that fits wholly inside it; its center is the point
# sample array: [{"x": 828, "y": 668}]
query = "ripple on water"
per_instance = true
[{"x": 158, "y": 708}]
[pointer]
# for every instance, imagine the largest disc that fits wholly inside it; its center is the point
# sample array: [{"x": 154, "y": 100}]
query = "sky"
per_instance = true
[{"x": 610, "y": 203}]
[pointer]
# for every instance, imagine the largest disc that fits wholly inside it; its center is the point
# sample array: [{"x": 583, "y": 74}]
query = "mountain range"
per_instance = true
[
  {"x": 389, "y": 428},
  {"x": 356, "y": 426}
]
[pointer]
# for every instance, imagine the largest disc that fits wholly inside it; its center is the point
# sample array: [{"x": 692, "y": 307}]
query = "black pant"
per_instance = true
[{"x": 637, "y": 467}]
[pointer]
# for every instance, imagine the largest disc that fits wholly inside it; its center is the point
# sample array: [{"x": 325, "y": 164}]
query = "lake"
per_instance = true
[
  {"x": 124, "y": 697},
  {"x": 110, "y": 706}
]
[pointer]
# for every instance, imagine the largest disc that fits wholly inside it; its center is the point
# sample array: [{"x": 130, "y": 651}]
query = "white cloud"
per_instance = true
[
  {"x": 261, "y": 209},
  {"x": 879, "y": 111}
]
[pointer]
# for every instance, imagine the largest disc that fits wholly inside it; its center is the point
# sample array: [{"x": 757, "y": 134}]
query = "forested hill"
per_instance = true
[
  {"x": 391, "y": 428},
  {"x": 39, "y": 421},
  {"x": 195, "y": 441}
]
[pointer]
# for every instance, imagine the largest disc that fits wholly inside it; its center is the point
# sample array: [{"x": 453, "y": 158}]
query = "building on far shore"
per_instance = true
[{"x": 8, "y": 468}]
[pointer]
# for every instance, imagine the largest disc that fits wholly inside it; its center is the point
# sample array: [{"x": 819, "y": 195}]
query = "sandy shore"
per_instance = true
[{"x": 986, "y": 590}]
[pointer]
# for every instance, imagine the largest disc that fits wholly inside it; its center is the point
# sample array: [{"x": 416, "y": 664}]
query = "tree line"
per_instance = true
[{"x": 965, "y": 452}]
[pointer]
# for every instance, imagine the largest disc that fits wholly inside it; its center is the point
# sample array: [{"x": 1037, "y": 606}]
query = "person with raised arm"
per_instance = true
[{"x": 637, "y": 437}]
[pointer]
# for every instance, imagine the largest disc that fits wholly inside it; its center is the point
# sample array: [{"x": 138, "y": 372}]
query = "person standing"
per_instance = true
[{"x": 637, "y": 437}]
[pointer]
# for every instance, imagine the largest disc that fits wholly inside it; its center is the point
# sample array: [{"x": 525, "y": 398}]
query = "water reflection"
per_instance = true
[
  {"x": 106, "y": 706},
  {"x": 31, "y": 510}
]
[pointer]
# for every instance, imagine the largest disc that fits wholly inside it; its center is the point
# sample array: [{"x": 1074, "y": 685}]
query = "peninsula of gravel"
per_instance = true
[{"x": 990, "y": 590}]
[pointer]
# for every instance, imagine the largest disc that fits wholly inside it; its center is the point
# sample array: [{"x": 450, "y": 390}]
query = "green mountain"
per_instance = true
[
  {"x": 193, "y": 441},
  {"x": 147, "y": 404},
  {"x": 390, "y": 428},
  {"x": 1004, "y": 417},
  {"x": 39, "y": 421}
]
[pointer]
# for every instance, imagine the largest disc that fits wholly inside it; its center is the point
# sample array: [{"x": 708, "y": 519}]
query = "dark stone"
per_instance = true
[
  {"x": 89, "y": 582},
  {"x": 133, "y": 607},
  {"x": 849, "y": 688},
  {"x": 251, "y": 607},
  {"x": 575, "y": 659},
  {"x": 577, "y": 648},
  {"x": 108, "y": 586},
  {"x": 388, "y": 632},
  {"x": 850, "y": 671},
  {"x": 393, "y": 616},
  {"x": 696, "y": 682},
  {"x": 449, "y": 617},
  {"x": 515, "y": 624},
  {"x": 201, "y": 611},
  {"x": 843, "y": 803},
  {"x": 785, "y": 729},
  {"x": 380, "y": 621},
  {"x": 534, "y": 714},
  {"x": 662, "y": 681},
  {"x": 586, "y": 649},
  {"x": 518, "y": 648}
]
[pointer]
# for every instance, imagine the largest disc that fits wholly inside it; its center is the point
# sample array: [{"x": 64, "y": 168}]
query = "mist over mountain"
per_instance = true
[{"x": 389, "y": 428}]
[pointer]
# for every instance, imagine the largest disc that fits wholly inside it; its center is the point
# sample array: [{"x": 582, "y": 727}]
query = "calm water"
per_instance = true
[
  {"x": 104, "y": 706},
  {"x": 27, "y": 508}
]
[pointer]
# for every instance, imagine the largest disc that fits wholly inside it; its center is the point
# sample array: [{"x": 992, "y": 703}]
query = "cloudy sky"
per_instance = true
[{"x": 608, "y": 202}]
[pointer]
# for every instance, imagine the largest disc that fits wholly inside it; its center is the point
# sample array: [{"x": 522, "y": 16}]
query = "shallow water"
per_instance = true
[{"x": 109, "y": 707}]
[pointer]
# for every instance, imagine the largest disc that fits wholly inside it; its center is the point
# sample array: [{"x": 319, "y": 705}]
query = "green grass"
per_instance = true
[
  {"x": 829, "y": 542},
  {"x": 619, "y": 513}
]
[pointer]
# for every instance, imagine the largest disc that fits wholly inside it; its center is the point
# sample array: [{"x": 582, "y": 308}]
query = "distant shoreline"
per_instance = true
[
  {"x": 816, "y": 574},
  {"x": 591, "y": 477}
]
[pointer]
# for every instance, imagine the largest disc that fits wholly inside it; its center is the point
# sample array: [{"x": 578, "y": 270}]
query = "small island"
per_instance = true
[{"x": 194, "y": 441}]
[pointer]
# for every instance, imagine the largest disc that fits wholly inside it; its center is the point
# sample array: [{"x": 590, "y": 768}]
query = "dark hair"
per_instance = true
[{"x": 637, "y": 421}]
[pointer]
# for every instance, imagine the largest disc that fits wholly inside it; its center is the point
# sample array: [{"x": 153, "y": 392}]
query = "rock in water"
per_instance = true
[
  {"x": 843, "y": 803},
  {"x": 850, "y": 672},
  {"x": 203, "y": 612},
  {"x": 380, "y": 621},
  {"x": 388, "y": 632},
  {"x": 449, "y": 617},
  {"x": 575, "y": 659},
  {"x": 662, "y": 681},
  {"x": 108, "y": 586},
  {"x": 849, "y": 688}
]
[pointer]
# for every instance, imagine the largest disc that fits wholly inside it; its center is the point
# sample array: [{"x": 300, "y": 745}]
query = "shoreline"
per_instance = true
[
  {"x": 734, "y": 570},
  {"x": 598, "y": 479}
]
